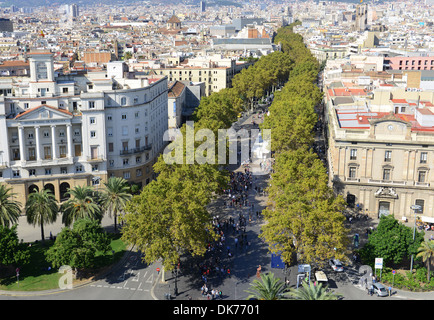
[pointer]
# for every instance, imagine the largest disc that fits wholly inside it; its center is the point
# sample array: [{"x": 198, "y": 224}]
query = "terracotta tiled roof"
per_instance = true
[
  {"x": 174, "y": 19},
  {"x": 176, "y": 89}
]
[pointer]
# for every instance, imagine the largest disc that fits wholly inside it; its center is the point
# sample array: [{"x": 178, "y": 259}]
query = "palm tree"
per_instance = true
[
  {"x": 81, "y": 204},
  {"x": 269, "y": 288},
  {"x": 426, "y": 252},
  {"x": 10, "y": 209},
  {"x": 41, "y": 208},
  {"x": 116, "y": 196},
  {"x": 312, "y": 292}
]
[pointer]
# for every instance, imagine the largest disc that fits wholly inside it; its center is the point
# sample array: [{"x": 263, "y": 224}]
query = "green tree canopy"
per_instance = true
[
  {"x": 77, "y": 247},
  {"x": 41, "y": 209},
  {"x": 10, "y": 209},
  {"x": 11, "y": 251},
  {"x": 115, "y": 196},
  {"x": 267, "y": 288},
  {"x": 82, "y": 204},
  {"x": 392, "y": 241}
]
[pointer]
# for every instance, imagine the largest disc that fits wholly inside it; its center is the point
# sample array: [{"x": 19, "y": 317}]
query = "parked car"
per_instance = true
[
  {"x": 336, "y": 265},
  {"x": 380, "y": 290}
]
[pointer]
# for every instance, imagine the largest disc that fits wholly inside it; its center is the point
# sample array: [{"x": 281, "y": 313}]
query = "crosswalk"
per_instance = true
[{"x": 134, "y": 276}]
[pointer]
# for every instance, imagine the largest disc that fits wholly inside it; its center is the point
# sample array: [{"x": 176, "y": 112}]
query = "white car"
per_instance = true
[
  {"x": 380, "y": 290},
  {"x": 336, "y": 265}
]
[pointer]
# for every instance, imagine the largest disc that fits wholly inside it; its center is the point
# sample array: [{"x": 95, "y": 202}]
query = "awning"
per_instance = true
[{"x": 427, "y": 219}]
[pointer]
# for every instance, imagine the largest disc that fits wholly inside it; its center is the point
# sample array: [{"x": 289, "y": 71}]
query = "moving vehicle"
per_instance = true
[{"x": 336, "y": 265}]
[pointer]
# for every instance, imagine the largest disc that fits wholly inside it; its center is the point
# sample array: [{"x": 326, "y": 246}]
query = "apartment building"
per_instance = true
[
  {"x": 381, "y": 149},
  {"x": 215, "y": 71},
  {"x": 411, "y": 63},
  {"x": 59, "y": 131}
]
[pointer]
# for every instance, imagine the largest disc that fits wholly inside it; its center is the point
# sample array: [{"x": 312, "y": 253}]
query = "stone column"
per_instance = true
[
  {"x": 21, "y": 143},
  {"x": 69, "y": 139},
  {"x": 38, "y": 145},
  {"x": 53, "y": 142}
]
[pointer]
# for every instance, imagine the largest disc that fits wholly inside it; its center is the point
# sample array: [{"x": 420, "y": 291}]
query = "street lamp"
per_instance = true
[{"x": 414, "y": 207}]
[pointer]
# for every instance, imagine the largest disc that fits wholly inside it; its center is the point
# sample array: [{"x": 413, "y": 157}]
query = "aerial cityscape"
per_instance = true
[{"x": 196, "y": 151}]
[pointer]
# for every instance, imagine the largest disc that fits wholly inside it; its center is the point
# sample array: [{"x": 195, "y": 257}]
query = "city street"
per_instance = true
[{"x": 131, "y": 279}]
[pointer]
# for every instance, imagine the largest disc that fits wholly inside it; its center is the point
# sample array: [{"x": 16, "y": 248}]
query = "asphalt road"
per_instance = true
[{"x": 133, "y": 280}]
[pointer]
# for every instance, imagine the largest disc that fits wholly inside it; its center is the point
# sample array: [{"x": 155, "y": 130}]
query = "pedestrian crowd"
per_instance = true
[{"x": 230, "y": 234}]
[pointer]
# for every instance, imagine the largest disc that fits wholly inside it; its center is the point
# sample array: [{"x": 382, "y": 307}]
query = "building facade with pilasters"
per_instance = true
[
  {"x": 381, "y": 159},
  {"x": 59, "y": 131}
]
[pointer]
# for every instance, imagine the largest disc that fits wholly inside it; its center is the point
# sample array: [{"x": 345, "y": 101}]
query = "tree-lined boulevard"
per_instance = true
[{"x": 210, "y": 226}]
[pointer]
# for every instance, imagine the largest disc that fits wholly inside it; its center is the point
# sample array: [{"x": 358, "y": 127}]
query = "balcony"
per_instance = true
[
  {"x": 136, "y": 150},
  {"x": 99, "y": 158},
  {"x": 387, "y": 182},
  {"x": 43, "y": 162}
]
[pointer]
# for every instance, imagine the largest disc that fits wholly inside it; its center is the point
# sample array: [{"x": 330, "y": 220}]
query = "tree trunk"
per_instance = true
[
  {"x": 116, "y": 222},
  {"x": 42, "y": 233}
]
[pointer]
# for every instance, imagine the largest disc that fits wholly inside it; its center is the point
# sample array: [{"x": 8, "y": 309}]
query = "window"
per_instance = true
[
  {"x": 76, "y": 132},
  {"x": 138, "y": 159},
  {"x": 47, "y": 153},
  {"x": 95, "y": 167},
  {"x": 388, "y": 156},
  {"x": 123, "y": 101},
  {"x": 48, "y": 171},
  {"x": 423, "y": 157},
  {"x": 124, "y": 117},
  {"x": 421, "y": 177},
  {"x": 93, "y": 134},
  {"x": 110, "y": 132},
  {"x": 111, "y": 163},
  {"x": 62, "y": 151},
  {"x": 110, "y": 147},
  {"x": 124, "y": 130},
  {"x": 136, "y": 114},
  {"x": 46, "y": 134},
  {"x": 32, "y": 172},
  {"x": 65, "y": 90},
  {"x": 126, "y": 175},
  {"x": 91, "y": 104},
  {"x": 92, "y": 120},
  {"x": 109, "y": 117},
  {"x": 138, "y": 172},
  {"x": 353, "y": 154},
  {"x": 16, "y": 173},
  {"x": 79, "y": 168},
  {"x": 26, "y": 105},
  {"x": 421, "y": 203},
  {"x": 386, "y": 174},
  {"x": 30, "y": 135},
  {"x": 125, "y": 161},
  {"x": 63, "y": 170},
  {"x": 352, "y": 173}
]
